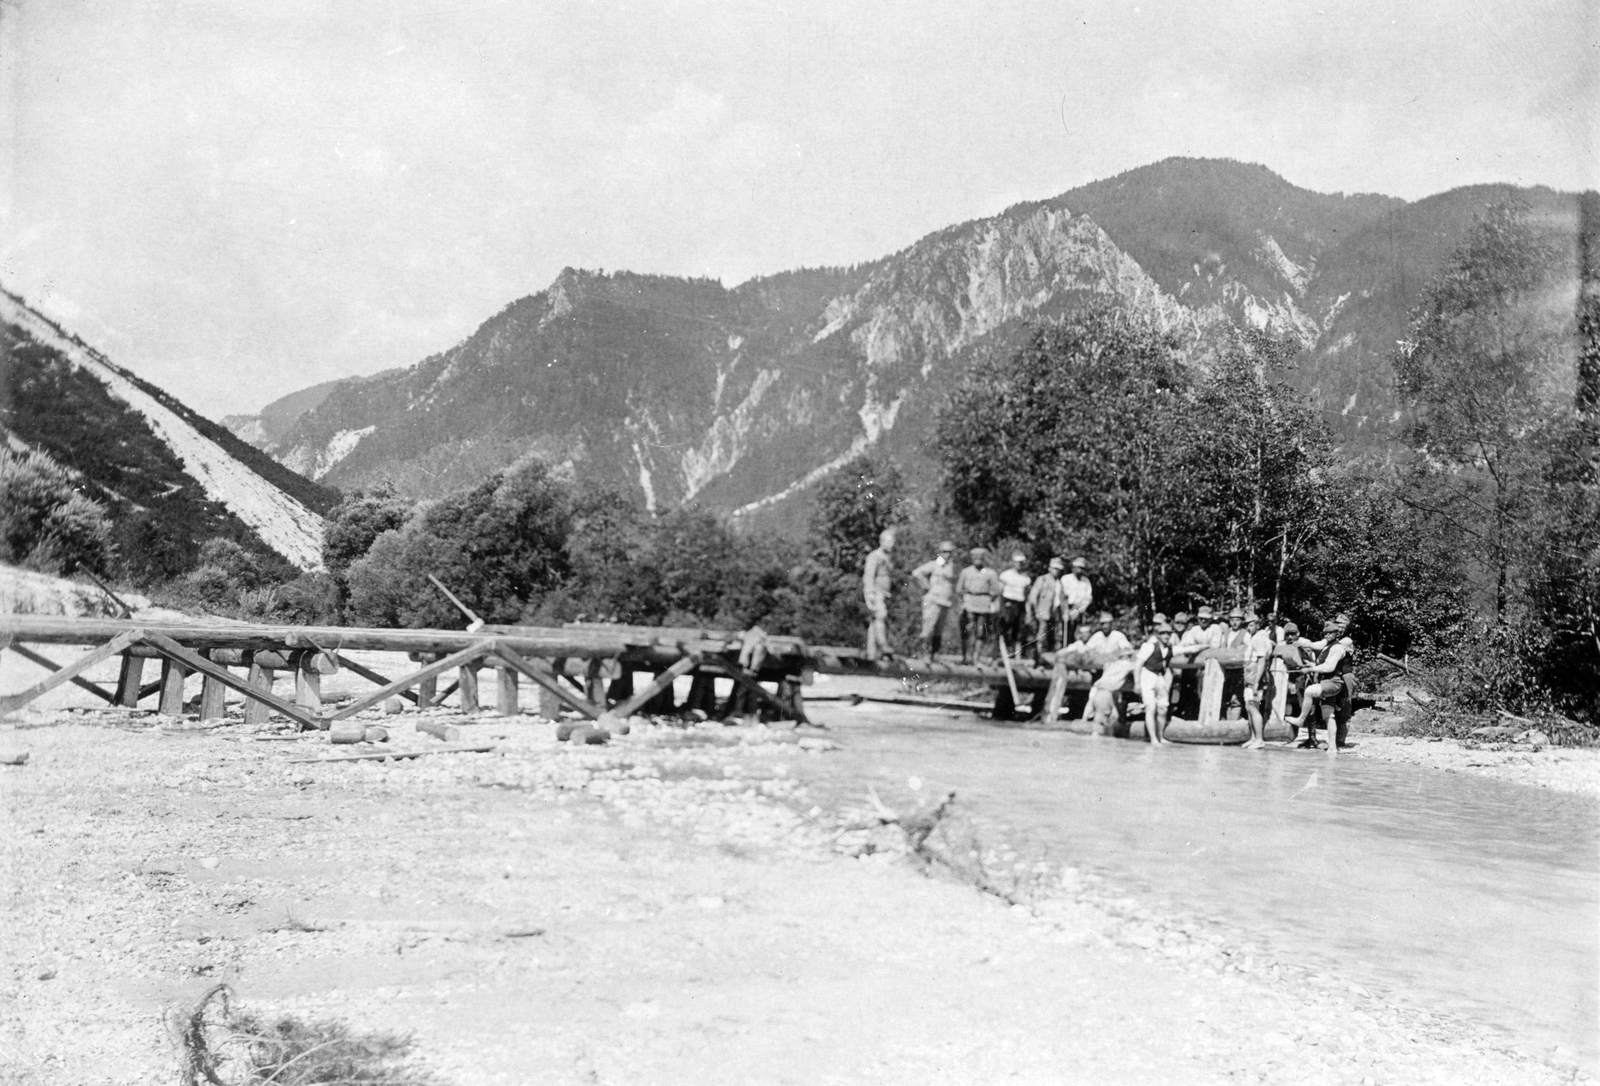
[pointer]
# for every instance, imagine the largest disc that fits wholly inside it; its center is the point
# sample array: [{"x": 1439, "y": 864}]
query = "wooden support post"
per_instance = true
[
  {"x": 428, "y": 688},
  {"x": 547, "y": 681},
  {"x": 467, "y": 680},
  {"x": 661, "y": 684},
  {"x": 183, "y": 658},
  {"x": 664, "y": 702},
  {"x": 472, "y": 652},
  {"x": 129, "y": 680},
  {"x": 506, "y": 692},
  {"x": 213, "y": 699},
  {"x": 1005, "y": 706},
  {"x": 173, "y": 675},
  {"x": 549, "y": 705},
  {"x": 621, "y": 688},
  {"x": 255, "y": 712},
  {"x": 1058, "y": 689},
  {"x": 741, "y": 681},
  {"x": 594, "y": 683},
  {"x": 308, "y": 686},
  {"x": 702, "y": 694}
]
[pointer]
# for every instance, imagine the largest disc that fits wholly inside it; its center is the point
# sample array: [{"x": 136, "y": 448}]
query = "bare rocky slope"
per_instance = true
[
  {"x": 679, "y": 391},
  {"x": 170, "y": 478}
]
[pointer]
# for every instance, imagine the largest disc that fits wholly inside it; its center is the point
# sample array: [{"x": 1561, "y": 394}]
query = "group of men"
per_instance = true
[
  {"x": 1006, "y": 611},
  {"x": 1319, "y": 674},
  {"x": 1009, "y": 611}
]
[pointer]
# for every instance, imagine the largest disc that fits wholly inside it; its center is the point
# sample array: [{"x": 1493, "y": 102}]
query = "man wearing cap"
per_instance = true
[
  {"x": 1257, "y": 680},
  {"x": 1107, "y": 639},
  {"x": 979, "y": 589},
  {"x": 875, "y": 585},
  {"x": 1332, "y": 684},
  {"x": 1077, "y": 595},
  {"x": 1154, "y": 671},
  {"x": 1218, "y": 629},
  {"x": 1234, "y": 637},
  {"x": 937, "y": 579},
  {"x": 1193, "y": 639},
  {"x": 1044, "y": 609}
]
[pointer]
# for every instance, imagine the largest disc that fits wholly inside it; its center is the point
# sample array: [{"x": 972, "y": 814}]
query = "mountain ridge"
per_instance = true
[{"x": 685, "y": 391}]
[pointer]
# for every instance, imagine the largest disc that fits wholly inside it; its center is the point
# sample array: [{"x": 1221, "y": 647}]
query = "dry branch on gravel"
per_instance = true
[{"x": 222, "y": 1045}]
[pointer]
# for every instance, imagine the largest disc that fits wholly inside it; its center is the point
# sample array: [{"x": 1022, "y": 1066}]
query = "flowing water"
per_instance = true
[{"x": 1455, "y": 893}]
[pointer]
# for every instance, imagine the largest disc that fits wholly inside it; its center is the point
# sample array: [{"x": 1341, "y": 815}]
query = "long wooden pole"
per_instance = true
[
  {"x": 77, "y": 680},
  {"x": 549, "y": 682},
  {"x": 195, "y": 662}
]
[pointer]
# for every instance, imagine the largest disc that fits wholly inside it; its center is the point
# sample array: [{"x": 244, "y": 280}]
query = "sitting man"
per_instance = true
[
  {"x": 1333, "y": 683},
  {"x": 1154, "y": 668}
]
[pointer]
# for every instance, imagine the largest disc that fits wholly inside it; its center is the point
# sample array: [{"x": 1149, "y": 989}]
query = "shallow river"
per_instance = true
[{"x": 1454, "y": 893}]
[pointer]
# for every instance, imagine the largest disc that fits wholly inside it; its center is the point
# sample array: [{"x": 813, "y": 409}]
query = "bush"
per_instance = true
[{"x": 45, "y": 524}]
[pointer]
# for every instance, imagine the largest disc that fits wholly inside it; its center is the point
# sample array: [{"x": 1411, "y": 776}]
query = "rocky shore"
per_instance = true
[{"x": 674, "y": 906}]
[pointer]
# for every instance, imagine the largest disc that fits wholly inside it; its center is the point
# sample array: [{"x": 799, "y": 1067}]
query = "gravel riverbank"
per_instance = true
[{"x": 672, "y": 907}]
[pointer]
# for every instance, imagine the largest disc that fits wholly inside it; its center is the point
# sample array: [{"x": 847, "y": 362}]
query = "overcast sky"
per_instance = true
[{"x": 238, "y": 199}]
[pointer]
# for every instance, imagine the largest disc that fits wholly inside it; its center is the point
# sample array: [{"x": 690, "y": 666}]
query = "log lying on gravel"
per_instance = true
[
  {"x": 465, "y": 748},
  {"x": 447, "y": 732},
  {"x": 347, "y": 731},
  {"x": 16, "y": 758}
]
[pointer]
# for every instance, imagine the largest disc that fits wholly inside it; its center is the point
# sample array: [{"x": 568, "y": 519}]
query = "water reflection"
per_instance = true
[{"x": 1456, "y": 894}]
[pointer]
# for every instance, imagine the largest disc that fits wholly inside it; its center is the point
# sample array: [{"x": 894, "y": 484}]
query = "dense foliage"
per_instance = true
[{"x": 45, "y": 523}]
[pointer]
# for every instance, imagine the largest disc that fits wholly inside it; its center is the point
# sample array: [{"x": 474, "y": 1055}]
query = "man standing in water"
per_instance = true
[
  {"x": 1154, "y": 662},
  {"x": 1257, "y": 680},
  {"x": 937, "y": 579},
  {"x": 875, "y": 585}
]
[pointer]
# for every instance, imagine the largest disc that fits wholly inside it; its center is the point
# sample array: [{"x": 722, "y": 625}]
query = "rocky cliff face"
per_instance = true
[{"x": 684, "y": 391}]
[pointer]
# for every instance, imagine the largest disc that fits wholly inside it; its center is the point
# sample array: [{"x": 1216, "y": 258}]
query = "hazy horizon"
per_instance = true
[{"x": 237, "y": 203}]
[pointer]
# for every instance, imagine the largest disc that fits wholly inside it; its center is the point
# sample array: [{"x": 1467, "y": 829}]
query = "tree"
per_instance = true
[
  {"x": 854, "y": 506},
  {"x": 1475, "y": 377},
  {"x": 353, "y": 524},
  {"x": 1073, "y": 443},
  {"x": 1258, "y": 464},
  {"x": 498, "y": 547}
]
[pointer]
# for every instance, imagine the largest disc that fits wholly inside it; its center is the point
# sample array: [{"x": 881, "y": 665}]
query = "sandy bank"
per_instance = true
[{"x": 674, "y": 907}]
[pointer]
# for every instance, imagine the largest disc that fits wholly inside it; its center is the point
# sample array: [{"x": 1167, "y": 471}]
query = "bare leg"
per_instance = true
[
  {"x": 1332, "y": 728},
  {"x": 1258, "y": 731}
]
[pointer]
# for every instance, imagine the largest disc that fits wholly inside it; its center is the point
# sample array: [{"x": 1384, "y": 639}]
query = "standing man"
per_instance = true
[
  {"x": 979, "y": 589},
  {"x": 1013, "y": 604},
  {"x": 1077, "y": 594},
  {"x": 875, "y": 584},
  {"x": 1155, "y": 681},
  {"x": 937, "y": 579},
  {"x": 1044, "y": 609},
  {"x": 1234, "y": 636},
  {"x": 1257, "y": 680}
]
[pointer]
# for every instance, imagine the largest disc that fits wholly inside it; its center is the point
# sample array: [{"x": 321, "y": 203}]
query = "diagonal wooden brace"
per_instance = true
[
  {"x": 368, "y": 674},
  {"x": 658, "y": 684},
  {"x": 549, "y": 682},
  {"x": 195, "y": 662},
  {"x": 465, "y": 656},
  {"x": 71, "y": 671},
  {"x": 740, "y": 679},
  {"x": 78, "y": 680}
]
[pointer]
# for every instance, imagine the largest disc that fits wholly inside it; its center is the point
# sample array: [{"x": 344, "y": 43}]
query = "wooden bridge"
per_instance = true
[{"x": 590, "y": 668}]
